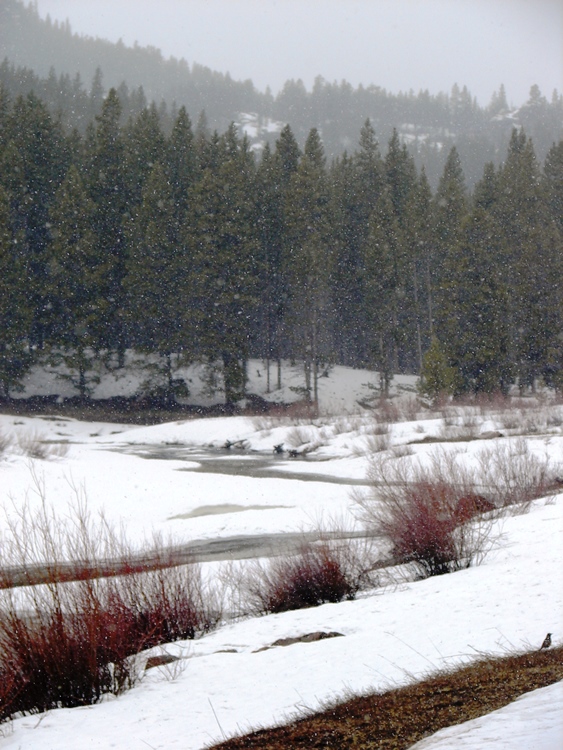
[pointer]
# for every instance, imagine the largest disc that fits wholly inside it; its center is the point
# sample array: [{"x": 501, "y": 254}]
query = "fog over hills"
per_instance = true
[
  {"x": 401, "y": 46},
  {"x": 70, "y": 68}
]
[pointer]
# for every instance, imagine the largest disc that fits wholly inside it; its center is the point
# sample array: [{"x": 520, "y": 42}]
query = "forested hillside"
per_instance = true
[
  {"x": 181, "y": 244},
  {"x": 72, "y": 74}
]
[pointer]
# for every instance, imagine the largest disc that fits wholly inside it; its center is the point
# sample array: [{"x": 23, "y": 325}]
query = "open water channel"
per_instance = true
[
  {"x": 218, "y": 461},
  {"x": 246, "y": 464}
]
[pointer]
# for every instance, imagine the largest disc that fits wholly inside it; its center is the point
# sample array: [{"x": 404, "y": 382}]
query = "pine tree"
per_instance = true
[
  {"x": 143, "y": 147},
  {"x": 486, "y": 191},
  {"x": 357, "y": 185},
  {"x": 158, "y": 312},
  {"x": 450, "y": 202},
  {"x": 16, "y": 313},
  {"x": 106, "y": 183},
  {"x": 287, "y": 155},
  {"x": 308, "y": 262},
  {"x": 270, "y": 226},
  {"x": 533, "y": 262},
  {"x": 96, "y": 94},
  {"x": 449, "y": 210},
  {"x": 76, "y": 283},
  {"x": 181, "y": 163},
  {"x": 437, "y": 376},
  {"x": 400, "y": 176},
  {"x": 498, "y": 101},
  {"x": 272, "y": 183},
  {"x": 421, "y": 263},
  {"x": 474, "y": 317},
  {"x": 553, "y": 182},
  {"x": 4, "y": 115},
  {"x": 381, "y": 283},
  {"x": 402, "y": 185},
  {"x": 33, "y": 163},
  {"x": 223, "y": 256}
]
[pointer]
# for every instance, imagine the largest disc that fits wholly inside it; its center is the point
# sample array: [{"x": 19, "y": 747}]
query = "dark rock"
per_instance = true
[
  {"x": 307, "y": 638},
  {"x": 160, "y": 659}
]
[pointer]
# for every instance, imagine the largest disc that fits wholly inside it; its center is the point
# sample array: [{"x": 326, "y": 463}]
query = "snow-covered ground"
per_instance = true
[
  {"x": 224, "y": 684},
  {"x": 533, "y": 722},
  {"x": 340, "y": 388}
]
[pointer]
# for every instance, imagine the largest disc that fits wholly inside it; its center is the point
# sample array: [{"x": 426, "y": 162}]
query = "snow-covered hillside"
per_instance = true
[{"x": 340, "y": 389}]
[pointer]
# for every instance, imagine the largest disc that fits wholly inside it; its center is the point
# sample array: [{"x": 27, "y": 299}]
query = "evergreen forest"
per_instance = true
[{"x": 180, "y": 243}]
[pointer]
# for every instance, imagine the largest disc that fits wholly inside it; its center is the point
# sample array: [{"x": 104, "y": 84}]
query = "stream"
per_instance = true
[
  {"x": 238, "y": 463},
  {"x": 245, "y": 546},
  {"x": 245, "y": 464}
]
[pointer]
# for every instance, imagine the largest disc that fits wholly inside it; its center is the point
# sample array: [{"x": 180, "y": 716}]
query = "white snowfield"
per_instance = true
[
  {"x": 533, "y": 722},
  {"x": 223, "y": 685}
]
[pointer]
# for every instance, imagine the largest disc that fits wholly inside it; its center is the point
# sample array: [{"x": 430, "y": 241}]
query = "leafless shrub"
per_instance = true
[
  {"x": 378, "y": 428},
  {"x": 349, "y": 423},
  {"x": 35, "y": 445},
  {"x": 73, "y": 635},
  {"x": 230, "y": 579},
  {"x": 298, "y": 436},
  {"x": 531, "y": 419},
  {"x": 410, "y": 409},
  {"x": 263, "y": 423},
  {"x": 555, "y": 418},
  {"x": 464, "y": 427},
  {"x": 307, "y": 439},
  {"x": 31, "y": 444},
  {"x": 467, "y": 428},
  {"x": 429, "y": 515},
  {"x": 489, "y": 403},
  {"x": 526, "y": 403},
  {"x": 170, "y": 667},
  {"x": 387, "y": 411},
  {"x": 451, "y": 417},
  {"x": 513, "y": 475},
  {"x": 51, "y": 659},
  {"x": 317, "y": 574},
  {"x": 56, "y": 449},
  {"x": 483, "y": 404},
  {"x": 534, "y": 422},
  {"x": 511, "y": 420},
  {"x": 400, "y": 451},
  {"x": 297, "y": 412},
  {"x": 470, "y": 424},
  {"x": 376, "y": 443},
  {"x": 5, "y": 443}
]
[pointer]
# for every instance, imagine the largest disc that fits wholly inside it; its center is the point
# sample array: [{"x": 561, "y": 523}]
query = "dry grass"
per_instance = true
[
  {"x": 5, "y": 443},
  {"x": 34, "y": 445},
  {"x": 396, "y": 719}
]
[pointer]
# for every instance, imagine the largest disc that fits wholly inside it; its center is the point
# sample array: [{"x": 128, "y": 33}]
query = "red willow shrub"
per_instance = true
[
  {"x": 425, "y": 515},
  {"x": 66, "y": 643},
  {"x": 317, "y": 574}
]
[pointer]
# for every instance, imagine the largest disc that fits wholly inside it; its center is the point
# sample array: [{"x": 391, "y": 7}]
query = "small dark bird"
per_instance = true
[{"x": 546, "y": 642}]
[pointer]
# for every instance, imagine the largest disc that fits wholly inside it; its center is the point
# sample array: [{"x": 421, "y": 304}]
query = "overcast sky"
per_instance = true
[{"x": 396, "y": 44}]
